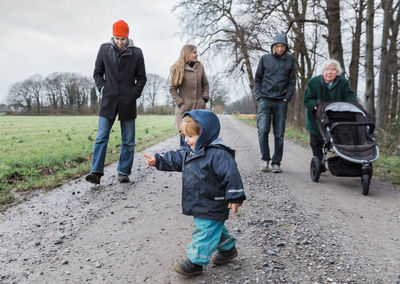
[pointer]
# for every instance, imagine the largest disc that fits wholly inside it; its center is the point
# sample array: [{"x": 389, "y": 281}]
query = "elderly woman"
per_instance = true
[{"x": 328, "y": 87}]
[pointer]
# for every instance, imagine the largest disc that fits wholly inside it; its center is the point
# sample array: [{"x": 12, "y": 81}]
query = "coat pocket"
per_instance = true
[
  {"x": 200, "y": 104},
  {"x": 186, "y": 106}
]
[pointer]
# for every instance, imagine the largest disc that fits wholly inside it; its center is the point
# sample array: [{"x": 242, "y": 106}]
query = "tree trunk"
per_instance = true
[
  {"x": 394, "y": 104},
  {"x": 394, "y": 64},
  {"x": 369, "y": 60},
  {"x": 295, "y": 11},
  {"x": 334, "y": 31},
  {"x": 355, "y": 48},
  {"x": 249, "y": 74},
  {"x": 384, "y": 76}
]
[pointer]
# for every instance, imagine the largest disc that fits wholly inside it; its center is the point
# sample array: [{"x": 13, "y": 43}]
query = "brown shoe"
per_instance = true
[
  {"x": 224, "y": 256},
  {"x": 93, "y": 178},
  {"x": 123, "y": 178},
  {"x": 188, "y": 268}
]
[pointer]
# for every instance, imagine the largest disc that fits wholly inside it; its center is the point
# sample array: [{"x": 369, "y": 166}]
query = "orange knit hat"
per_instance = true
[{"x": 120, "y": 29}]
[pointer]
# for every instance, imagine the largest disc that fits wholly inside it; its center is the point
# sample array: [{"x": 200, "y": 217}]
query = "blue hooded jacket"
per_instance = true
[{"x": 210, "y": 178}]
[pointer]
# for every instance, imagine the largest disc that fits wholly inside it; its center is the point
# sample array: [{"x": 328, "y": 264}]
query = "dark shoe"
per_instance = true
[
  {"x": 322, "y": 168},
  {"x": 188, "y": 268},
  {"x": 222, "y": 257},
  {"x": 93, "y": 178},
  {"x": 123, "y": 178}
]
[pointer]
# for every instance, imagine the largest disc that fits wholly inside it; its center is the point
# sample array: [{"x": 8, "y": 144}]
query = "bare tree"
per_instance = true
[
  {"x": 359, "y": 7},
  {"x": 154, "y": 86},
  {"x": 85, "y": 85},
  {"x": 384, "y": 75},
  {"x": 305, "y": 35},
  {"x": 218, "y": 92},
  {"x": 334, "y": 37},
  {"x": 369, "y": 59},
  {"x": 170, "y": 101},
  {"x": 243, "y": 105},
  {"x": 53, "y": 88},
  {"x": 229, "y": 27},
  {"x": 394, "y": 61},
  {"x": 19, "y": 95},
  {"x": 35, "y": 84}
]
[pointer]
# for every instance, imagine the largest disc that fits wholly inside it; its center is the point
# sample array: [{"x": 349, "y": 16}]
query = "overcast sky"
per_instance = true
[{"x": 45, "y": 36}]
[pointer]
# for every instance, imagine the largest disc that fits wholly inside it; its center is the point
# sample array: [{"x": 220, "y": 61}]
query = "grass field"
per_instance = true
[
  {"x": 44, "y": 151},
  {"x": 386, "y": 167}
]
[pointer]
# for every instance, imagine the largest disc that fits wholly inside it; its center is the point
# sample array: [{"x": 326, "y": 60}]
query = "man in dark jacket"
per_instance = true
[
  {"x": 211, "y": 184},
  {"x": 120, "y": 77},
  {"x": 274, "y": 85}
]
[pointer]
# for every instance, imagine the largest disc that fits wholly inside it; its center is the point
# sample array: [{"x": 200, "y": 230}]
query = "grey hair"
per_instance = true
[{"x": 332, "y": 61}]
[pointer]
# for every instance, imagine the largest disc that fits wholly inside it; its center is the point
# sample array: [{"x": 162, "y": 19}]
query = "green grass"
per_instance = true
[
  {"x": 386, "y": 167},
  {"x": 250, "y": 122},
  {"x": 44, "y": 151}
]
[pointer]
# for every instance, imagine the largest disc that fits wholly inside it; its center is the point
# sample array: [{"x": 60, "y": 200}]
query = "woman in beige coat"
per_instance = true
[{"x": 189, "y": 84}]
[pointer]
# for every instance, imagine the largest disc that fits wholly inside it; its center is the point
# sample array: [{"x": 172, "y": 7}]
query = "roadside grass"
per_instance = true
[
  {"x": 45, "y": 151},
  {"x": 387, "y": 167}
]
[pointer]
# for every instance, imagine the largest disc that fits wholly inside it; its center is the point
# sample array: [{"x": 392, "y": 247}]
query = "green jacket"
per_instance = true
[{"x": 317, "y": 91}]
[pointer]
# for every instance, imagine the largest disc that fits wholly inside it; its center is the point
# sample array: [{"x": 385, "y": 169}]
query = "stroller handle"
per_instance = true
[{"x": 365, "y": 123}]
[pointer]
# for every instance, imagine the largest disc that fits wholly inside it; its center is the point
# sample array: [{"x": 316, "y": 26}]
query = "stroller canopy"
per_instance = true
[{"x": 343, "y": 107}]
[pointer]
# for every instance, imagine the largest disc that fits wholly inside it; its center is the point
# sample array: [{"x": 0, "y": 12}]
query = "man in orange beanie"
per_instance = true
[{"x": 120, "y": 77}]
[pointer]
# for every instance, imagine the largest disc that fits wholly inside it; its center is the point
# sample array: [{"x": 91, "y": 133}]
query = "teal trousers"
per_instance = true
[{"x": 207, "y": 237}]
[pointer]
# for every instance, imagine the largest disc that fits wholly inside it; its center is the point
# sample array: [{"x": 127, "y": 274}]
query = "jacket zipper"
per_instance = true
[{"x": 276, "y": 77}]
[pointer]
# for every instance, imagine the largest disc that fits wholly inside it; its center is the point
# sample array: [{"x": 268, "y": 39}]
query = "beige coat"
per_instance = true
[{"x": 190, "y": 94}]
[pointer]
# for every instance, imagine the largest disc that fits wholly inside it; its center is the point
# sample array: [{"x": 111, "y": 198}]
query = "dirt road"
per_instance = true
[{"x": 290, "y": 230}]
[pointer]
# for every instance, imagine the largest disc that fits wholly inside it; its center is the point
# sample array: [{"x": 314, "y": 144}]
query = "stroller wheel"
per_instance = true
[
  {"x": 365, "y": 179},
  {"x": 315, "y": 169}
]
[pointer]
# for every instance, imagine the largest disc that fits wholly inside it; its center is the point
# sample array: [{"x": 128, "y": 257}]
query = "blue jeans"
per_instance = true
[
  {"x": 127, "y": 146},
  {"x": 274, "y": 110},
  {"x": 207, "y": 237}
]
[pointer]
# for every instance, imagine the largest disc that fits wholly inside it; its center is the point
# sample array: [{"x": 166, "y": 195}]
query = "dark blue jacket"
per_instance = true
[
  {"x": 210, "y": 178},
  {"x": 276, "y": 75},
  {"x": 120, "y": 77}
]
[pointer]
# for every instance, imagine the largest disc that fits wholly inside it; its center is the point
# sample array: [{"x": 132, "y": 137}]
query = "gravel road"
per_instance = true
[{"x": 289, "y": 230}]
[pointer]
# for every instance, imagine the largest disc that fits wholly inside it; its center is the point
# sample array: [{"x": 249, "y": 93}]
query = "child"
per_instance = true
[{"x": 211, "y": 185}]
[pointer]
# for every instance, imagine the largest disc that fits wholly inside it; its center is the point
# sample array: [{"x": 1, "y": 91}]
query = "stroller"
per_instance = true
[{"x": 347, "y": 131}]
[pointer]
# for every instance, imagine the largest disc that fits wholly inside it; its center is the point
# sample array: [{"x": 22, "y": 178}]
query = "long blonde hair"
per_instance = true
[{"x": 178, "y": 69}]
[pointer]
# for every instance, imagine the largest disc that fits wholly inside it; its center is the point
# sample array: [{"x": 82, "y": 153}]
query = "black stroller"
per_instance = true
[{"x": 347, "y": 131}]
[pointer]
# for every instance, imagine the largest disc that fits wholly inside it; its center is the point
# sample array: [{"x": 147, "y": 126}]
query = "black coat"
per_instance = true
[
  {"x": 276, "y": 75},
  {"x": 123, "y": 77}
]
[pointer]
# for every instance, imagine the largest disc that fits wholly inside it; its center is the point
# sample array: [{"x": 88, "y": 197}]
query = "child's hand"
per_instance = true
[
  {"x": 151, "y": 161},
  {"x": 235, "y": 207}
]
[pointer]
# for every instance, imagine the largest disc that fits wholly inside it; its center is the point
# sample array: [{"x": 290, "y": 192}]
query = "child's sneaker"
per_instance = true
[
  {"x": 222, "y": 257},
  {"x": 188, "y": 268}
]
